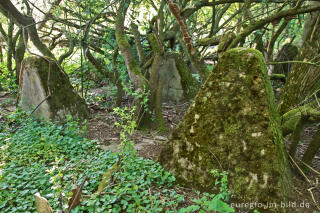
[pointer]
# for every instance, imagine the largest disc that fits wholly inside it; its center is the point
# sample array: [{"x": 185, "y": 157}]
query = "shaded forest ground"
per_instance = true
[{"x": 148, "y": 143}]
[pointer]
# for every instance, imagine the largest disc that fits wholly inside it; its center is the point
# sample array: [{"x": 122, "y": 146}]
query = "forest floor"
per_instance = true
[
  {"x": 149, "y": 144},
  {"x": 101, "y": 127}
]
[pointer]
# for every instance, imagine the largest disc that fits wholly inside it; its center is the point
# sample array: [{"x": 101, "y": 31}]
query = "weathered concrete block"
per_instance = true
[
  {"x": 233, "y": 125},
  {"x": 172, "y": 87},
  {"x": 177, "y": 80},
  {"x": 40, "y": 79}
]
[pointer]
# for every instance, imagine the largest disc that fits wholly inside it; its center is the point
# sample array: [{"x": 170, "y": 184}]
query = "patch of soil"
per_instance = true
[
  {"x": 148, "y": 143},
  {"x": 7, "y": 102}
]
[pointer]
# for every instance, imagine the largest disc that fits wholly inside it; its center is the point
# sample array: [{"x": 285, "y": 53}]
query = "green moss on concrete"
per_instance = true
[
  {"x": 63, "y": 100},
  {"x": 233, "y": 125}
]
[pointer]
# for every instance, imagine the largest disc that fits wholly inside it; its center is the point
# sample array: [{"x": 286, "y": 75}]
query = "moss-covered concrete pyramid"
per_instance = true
[
  {"x": 233, "y": 126},
  {"x": 44, "y": 85}
]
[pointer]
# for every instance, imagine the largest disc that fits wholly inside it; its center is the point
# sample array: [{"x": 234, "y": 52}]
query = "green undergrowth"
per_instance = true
[{"x": 52, "y": 159}]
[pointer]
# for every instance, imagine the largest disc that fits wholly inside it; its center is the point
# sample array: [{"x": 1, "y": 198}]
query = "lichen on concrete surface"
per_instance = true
[
  {"x": 233, "y": 125},
  {"x": 44, "y": 84}
]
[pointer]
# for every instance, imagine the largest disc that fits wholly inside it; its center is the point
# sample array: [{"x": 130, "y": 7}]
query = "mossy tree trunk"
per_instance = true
[
  {"x": 189, "y": 83},
  {"x": 133, "y": 68},
  {"x": 274, "y": 38},
  {"x": 10, "y": 46},
  {"x": 137, "y": 42},
  {"x": 307, "y": 114},
  {"x": 1, "y": 54},
  {"x": 233, "y": 125},
  {"x": 310, "y": 19},
  {"x": 312, "y": 150},
  {"x": 155, "y": 82},
  {"x": 117, "y": 80},
  {"x": 287, "y": 53},
  {"x": 294, "y": 122},
  {"x": 190, "y": 50},
  {"x": 304, "y": 78},
  {"x": 20, "y": 51}
]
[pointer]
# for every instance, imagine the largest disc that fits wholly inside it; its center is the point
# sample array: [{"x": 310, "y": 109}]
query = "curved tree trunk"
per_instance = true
[
  {"x": 20, "y": 51},
  {"x": 304, "y": 78},
  {"x": 191, "y": 51},
  {"x": 311, "y": 17},
  {"x": 133, "y": 68},
  {"x": 137, "y": 42},
  {"x": 312, "y": 150}
]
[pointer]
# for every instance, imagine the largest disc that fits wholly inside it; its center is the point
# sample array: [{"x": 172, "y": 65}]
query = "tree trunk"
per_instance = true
[
  {"x": 304, "y": 78},
  {"x": 138, "y": 80},
  {"x": 10, "y": 46},
  {"x": 312, "y": 150},
  {"x": 20, "y": 51},
  {"x": 137, "y": 42},
  {"x": 133, "y": 68},
  {"x": 310, "y": 19},
  {"x": 117, "y": 79},
  {"x": 155, "y": 82},
  {"x": 191, "y": 51},
  {"x": 1, "y": 54}
]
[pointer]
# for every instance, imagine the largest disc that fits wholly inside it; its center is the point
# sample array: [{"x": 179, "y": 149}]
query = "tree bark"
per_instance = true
[
  {"x": 117, "y": 79},
  {"x": 137, "y": 42},
  {"x": 10, "y": 47},
  {"x": 192, "y": 52},
  {"x": 311, "y": 17},
  {"x": 312, "y": 150},
  {"x": 133, "y": 68},
  {"x": 304, "y": 78},
  {"x": 155, "y": 81},
  {"x": 139, "y": 82},
  {"x": 69, "y": 52},
  {"x": 20, "y": 51}
]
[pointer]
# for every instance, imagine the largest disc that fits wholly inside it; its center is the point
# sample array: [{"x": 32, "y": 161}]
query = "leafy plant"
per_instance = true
[
  {"x": 127, "y": 124},
  {"x": 7, "y": 79},
  {"x": 53, "y": 159},
  {"x": 211, "y": 202}
]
